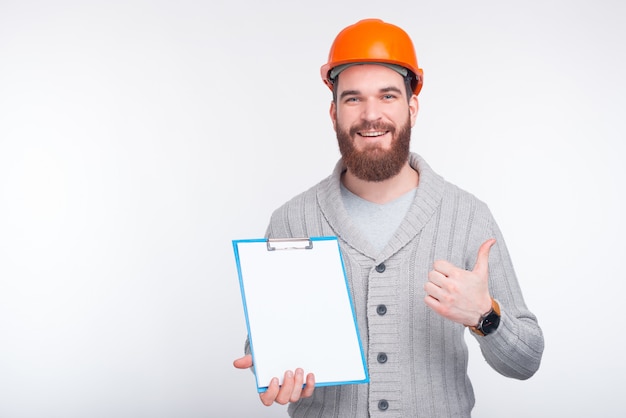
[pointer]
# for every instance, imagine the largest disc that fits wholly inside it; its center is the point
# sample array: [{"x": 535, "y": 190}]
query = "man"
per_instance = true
[{"x": 425, "y": 260}]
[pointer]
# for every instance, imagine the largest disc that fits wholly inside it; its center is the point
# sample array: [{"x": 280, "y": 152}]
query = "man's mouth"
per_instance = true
[{"x": 372, "y": 134}]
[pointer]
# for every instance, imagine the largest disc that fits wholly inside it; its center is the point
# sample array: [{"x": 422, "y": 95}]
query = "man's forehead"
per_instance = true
[{"x": 369, "y": 76}]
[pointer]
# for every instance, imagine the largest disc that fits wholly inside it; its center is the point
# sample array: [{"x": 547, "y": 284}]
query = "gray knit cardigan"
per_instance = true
[{"x": 417, "y": 359}]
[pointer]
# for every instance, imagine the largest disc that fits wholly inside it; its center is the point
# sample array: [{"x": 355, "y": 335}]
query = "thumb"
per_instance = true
[
  {"x": 482, "y": 260},
  {"x": 243, "y": 362}
]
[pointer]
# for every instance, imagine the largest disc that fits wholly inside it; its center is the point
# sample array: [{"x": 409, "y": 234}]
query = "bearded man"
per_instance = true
[{"x": 425, "y": 260}]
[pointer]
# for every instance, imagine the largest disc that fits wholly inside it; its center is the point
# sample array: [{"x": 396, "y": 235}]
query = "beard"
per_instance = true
[{"x": 374, "y": 163}]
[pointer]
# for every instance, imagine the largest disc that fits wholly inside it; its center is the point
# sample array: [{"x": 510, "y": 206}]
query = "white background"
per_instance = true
[{"x": 138, "y": 138}]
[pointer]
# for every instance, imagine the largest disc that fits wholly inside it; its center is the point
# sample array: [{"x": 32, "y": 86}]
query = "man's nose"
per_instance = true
[{"x": 371, "y": 110}]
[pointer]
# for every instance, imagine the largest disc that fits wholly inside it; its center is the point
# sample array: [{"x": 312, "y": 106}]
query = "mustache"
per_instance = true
[{"x": 372, "y": 126}]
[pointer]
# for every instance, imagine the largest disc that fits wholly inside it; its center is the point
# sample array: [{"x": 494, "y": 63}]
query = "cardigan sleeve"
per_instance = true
[{"x": 516, "y": 347}]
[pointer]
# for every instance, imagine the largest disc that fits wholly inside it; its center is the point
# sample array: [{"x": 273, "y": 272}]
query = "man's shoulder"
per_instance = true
[
  {"x": 463, "y": 197},
  {"x": 439, "y": 187},
  {"x": 305, "y": 198},
  {"x": 300, "y": 215}
]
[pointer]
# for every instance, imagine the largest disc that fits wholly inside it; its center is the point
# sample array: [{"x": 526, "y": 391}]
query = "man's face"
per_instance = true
[{"x": 373, "y": 120}]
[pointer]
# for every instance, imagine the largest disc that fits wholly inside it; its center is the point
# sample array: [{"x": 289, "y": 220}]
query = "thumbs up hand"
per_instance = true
[{"x": 457, "y": 294}]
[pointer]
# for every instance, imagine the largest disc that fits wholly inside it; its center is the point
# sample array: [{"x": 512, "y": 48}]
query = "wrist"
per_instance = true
[{"x": 489, "y": 321}]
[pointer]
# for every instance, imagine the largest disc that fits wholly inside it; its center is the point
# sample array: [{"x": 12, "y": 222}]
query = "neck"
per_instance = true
[{"x": 382, "y": 191}]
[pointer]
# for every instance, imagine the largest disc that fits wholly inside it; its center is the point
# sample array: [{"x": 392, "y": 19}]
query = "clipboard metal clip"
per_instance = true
[{"x": 274, "y": 244}]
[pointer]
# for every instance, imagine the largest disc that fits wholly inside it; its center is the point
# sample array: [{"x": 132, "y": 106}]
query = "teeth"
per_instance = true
[{"x": 371, "y": 133}]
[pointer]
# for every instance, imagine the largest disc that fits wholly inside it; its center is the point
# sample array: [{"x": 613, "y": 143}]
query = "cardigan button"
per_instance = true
[
  {"x": 381, "y": 310},
  {"x": 382, "y": 358},
  {"x": 381, "y": 268},
  {"x": 383, "y": 405}
]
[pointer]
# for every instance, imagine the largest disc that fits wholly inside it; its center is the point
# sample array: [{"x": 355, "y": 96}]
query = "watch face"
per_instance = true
[{"x": 490, "y": 323}]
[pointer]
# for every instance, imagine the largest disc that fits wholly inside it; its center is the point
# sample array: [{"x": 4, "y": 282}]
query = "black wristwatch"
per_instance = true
[{"x": 489, "y": 322}]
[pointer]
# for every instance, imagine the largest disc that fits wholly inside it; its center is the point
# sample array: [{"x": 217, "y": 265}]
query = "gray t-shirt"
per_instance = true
[{"x": 377, "y": 222}]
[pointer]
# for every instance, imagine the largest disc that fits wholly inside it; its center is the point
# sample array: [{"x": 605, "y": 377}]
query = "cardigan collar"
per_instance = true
[{"x": 425, "y": 204}]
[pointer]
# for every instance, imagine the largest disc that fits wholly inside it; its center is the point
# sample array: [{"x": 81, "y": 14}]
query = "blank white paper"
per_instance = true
[{"x": 299, "y": 312}]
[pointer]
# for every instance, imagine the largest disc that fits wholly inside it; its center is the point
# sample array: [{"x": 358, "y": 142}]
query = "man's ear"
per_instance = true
[
  {"x": 333, "y": 114},
  {"x": 413, "y": 108}
]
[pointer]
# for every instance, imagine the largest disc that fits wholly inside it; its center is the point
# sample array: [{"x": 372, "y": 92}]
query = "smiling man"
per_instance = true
[
  {"x": 425, "y": 260},
  {"x": 373, "y": 116}
]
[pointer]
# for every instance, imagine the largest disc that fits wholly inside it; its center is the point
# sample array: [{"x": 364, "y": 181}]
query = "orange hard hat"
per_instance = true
[{"x": 373, "y": 41}]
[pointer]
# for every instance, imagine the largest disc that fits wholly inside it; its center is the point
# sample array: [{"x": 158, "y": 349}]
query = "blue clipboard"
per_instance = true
[{"x": 298, "y": 310}]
